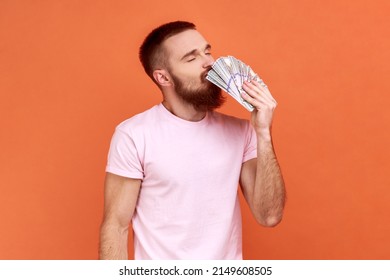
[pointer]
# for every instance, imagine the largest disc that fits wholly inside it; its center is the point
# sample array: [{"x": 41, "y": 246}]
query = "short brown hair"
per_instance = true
[{"x": 150, "y": 53}]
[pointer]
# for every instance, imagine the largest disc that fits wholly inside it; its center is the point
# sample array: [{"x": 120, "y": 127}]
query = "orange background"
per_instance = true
[{"x": 70, "y": 73}]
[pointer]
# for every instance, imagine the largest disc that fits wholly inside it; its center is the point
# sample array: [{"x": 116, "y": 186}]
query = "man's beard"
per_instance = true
[{"x": 206, "y": 97}]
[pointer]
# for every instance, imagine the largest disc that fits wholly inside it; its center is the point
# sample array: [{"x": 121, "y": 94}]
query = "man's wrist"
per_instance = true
[{"x": 264, "y": 135}]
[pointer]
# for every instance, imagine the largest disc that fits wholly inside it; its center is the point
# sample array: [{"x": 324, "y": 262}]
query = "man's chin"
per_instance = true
[{"x": 206, "y": 98}]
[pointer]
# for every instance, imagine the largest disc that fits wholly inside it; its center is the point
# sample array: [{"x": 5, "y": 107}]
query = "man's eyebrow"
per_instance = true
[{"x": 194, "y": 51}]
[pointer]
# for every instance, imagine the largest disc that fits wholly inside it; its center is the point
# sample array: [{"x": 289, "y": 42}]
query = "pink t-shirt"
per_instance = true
[{"x": 188, "y": 206}]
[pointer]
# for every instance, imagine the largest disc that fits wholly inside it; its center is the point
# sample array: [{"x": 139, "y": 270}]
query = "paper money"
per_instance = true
[{"x": 229, "y": 74}]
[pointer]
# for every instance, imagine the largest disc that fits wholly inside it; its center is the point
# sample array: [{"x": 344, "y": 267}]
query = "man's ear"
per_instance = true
[{"x": 162, "y": 78}]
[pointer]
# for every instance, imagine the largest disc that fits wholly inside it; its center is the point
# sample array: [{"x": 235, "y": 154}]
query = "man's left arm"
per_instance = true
[{"x": 261, "y": 179}]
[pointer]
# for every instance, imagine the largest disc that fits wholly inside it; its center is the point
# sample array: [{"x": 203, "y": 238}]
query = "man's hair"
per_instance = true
[{"x": 151, "y": 53}]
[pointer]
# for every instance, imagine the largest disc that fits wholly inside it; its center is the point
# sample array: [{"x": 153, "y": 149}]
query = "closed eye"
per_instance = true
[
  {"x": 207, "y": 50},
  {"x": 191, "y": 55}
]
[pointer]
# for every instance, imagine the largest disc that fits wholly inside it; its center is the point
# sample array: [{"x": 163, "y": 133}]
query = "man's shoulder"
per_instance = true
[
  {"x": 139, "y": 121},
  {"x": 228, "y": 119}
]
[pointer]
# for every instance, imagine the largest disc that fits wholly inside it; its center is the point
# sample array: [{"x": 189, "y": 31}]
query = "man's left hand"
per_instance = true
[{"x": 261, "y": 98}]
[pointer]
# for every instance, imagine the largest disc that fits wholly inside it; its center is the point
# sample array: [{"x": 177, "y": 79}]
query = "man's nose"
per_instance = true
[{"x": 208, "y": 61}]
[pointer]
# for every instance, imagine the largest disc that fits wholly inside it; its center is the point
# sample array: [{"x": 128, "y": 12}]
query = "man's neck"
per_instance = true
[{"x": 184, "y": 111}]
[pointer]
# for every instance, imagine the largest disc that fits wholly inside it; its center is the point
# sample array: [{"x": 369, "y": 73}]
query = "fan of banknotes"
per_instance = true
[{"x": 229, "y": 73}]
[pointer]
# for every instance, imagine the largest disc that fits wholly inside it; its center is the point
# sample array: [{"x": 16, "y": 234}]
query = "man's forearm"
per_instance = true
[
  {"x": 113, "y": 242},
  {"x": 269, "y": 191}
]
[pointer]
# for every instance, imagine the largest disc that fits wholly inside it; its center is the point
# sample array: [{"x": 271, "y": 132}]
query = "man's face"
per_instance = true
[{"x": 189, "y": 60}]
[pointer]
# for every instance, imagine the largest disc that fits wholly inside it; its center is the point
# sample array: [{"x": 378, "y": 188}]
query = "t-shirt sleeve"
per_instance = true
[
  {"x": 250, "y": 150},
  {"x": 123, "y": 156}
]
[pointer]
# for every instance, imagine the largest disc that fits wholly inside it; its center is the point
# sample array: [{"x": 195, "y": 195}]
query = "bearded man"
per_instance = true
[{"x": 173, "y": 171}]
